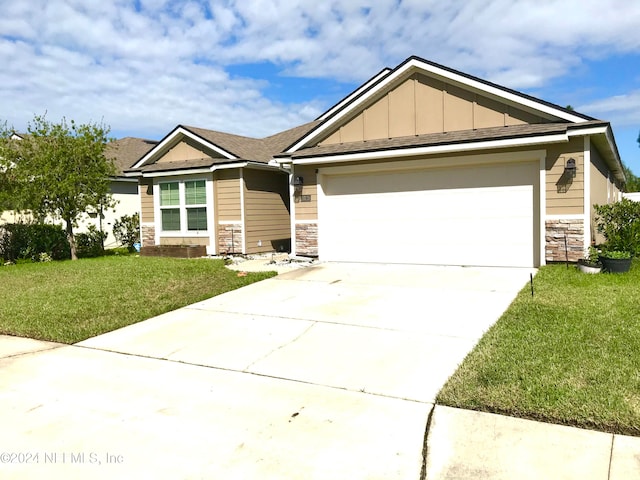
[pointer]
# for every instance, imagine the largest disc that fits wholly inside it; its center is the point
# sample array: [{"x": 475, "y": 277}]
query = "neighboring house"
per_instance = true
[
  {"x": 421, "y": 164},
  {"x": 635, "y": 196},
  {"x": 124, "y": 152},
  {"x": 425, "y": 164},
  {"x": 212, "y": 189}
]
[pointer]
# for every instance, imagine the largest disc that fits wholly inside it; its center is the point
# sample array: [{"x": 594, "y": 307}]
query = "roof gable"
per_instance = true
[
  {"x": 176, "y": 136},
  {"x": 192, "y": 147},
  {"x": 419, "y": 80}
]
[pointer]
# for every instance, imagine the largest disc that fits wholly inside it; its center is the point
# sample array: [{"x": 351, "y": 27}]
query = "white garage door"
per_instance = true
[{"x": 480, "y": 215}]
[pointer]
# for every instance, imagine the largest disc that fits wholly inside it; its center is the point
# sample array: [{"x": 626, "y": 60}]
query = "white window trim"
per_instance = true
[{"x": 183, "y": 232}]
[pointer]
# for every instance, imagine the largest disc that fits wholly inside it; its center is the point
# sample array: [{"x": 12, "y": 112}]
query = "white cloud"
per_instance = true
[
  {"x": 622, "y": 110},
  {"x": 146, "y": 69}
]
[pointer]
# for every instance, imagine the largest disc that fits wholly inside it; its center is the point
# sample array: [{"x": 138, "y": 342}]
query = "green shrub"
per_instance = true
[
  {"x": 127, "y": 230},
  {"x": 29, "y": 240},
  {"x": 116, "y": 251},
  {"x": 620, "y": 224},
  {"x": 90, "y": 243}
]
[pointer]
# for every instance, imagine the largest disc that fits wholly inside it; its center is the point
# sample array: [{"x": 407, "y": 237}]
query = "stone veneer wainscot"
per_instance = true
[
  {"x": 307, "y": 239},
  {"x": 555, "y": 231}
]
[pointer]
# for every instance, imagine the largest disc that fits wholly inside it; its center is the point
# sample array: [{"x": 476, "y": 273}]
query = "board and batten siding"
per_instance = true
[
  {"x": 227, "y": 189},
  {"x": 267, "y": 217},
  {"x": 182, "y": 151},
  {"x": 422, "y": 105}
]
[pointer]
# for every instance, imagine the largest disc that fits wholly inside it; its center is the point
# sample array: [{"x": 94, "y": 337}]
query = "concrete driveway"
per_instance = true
[{"x": 328, "y": 372}]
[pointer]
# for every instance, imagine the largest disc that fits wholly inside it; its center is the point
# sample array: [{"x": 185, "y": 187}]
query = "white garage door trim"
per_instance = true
[{"x": 532, "y": 197}]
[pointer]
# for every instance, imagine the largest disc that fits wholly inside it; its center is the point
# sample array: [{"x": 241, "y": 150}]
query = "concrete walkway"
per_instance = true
[{"x": 327, "y": 372}]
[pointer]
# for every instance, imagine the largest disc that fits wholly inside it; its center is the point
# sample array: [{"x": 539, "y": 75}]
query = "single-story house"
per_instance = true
[
  {"x": 124, "y": 190},
  {"x": 426, "y": 164},
  {"x": 217, "y": 190},
  {"x": 421, "y": 164}
]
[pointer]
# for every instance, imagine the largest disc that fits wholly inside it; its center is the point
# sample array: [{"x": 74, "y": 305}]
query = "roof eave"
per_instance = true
[{"x": 433, "y": 149}]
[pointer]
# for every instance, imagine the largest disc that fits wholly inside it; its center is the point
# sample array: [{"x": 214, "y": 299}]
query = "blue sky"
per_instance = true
[{"x": 255, "y": 67}]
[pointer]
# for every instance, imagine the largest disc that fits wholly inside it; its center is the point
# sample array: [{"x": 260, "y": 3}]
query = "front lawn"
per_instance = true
[
  {"x": 71, "y": 301},
  {"x": 569, "y": 355}
]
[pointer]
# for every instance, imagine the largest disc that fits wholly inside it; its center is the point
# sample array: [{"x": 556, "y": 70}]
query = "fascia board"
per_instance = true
[
  {"x": 454, "y": 77},
  {"x": 357, "y": 92},
  {"x": 406, "y": 152},
  {"x": 169, "y": 139},
  {"x": 171, "y": 173},
  {"x": 574, "y": 132}
]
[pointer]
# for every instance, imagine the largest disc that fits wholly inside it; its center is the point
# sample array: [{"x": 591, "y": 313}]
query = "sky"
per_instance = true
[{"x": 257, "y": 67}]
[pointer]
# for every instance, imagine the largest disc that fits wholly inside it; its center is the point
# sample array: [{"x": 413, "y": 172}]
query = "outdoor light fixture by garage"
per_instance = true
[
  {"x": 297, "y": 184},
  {"x": 570, "y": 168}
]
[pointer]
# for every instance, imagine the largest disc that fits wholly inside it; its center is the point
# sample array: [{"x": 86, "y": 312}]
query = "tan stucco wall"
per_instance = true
[
  {"x": 227, "y": 190},
  {"x": 183, "y": 151},
  {"x": 565, "y": 196},
  {"x": 147, "y": 213},
  {"x": 423, "y": 105},
  {"x": 267, "y": 220}
]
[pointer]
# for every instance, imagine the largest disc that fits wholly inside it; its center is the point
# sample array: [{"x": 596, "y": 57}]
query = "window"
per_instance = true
[
  {"x": 183, "y": 203},
  {"x": 170, "y": 197},
  {"x": 196, "y": 200}
]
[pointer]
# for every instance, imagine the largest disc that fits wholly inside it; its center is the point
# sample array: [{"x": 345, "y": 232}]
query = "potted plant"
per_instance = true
[
  {"x": 591, "y": 263},
  {"x": 615, "y": 261}
]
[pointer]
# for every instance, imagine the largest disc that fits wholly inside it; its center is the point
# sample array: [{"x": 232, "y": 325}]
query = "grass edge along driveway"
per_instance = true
[
  {"x": 70, "y": 301},
  {"x": 569, "y": 355}
]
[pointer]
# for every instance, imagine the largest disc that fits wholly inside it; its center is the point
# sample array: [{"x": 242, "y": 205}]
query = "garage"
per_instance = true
[{"x": 480, "y": 215}]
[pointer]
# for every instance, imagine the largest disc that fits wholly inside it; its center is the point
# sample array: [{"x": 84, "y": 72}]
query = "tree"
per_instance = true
[
  {"x": 59, "y": 170},
  {"x": 7, "y": 180},
  {"x": 633, "y": 182}
]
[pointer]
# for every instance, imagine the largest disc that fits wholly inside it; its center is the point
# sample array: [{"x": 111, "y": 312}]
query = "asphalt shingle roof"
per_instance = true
[
  {"x": 127, "y": 151},
  {"x": 244, "y": 148},
  {"x": 433, "y": 139}
]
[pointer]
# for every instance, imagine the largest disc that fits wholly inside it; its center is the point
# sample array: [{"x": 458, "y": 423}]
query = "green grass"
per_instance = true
[
  {"x": 569, "y": 355},
  {"x": 70, "y": 301}
]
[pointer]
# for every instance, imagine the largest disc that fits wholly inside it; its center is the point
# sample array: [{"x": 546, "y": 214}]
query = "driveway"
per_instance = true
[{"x": 325, "y": 372}]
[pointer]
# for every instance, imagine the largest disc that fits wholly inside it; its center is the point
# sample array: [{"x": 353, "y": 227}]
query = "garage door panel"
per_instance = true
[
  {"x": 495, "y": 176},
  {"x": 378, "y": 221}
]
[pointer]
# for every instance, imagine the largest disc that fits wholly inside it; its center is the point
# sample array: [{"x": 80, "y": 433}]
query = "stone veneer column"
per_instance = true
[
  {"x": 307, "y": 239},
  {"x": 555, "y": 231},
  {"x": 230, "y": 238},
  {"x": 148, "y": 235}
]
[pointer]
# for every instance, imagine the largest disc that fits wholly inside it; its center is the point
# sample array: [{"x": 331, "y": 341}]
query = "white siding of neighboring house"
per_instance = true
[
  {"x": 124, "y": 192},
  {"x": 635, "y": 196}
]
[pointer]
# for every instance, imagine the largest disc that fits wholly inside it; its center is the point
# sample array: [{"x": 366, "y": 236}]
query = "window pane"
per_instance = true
[
  {"x": 169, "y": 194},
  {"x": 170, "y": 219},
  {"x": 196, "y": 218},
  {"x": 195, "y": 192}
]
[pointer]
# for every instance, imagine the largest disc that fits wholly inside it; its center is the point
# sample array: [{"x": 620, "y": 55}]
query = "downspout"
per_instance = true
[{"x": 587, "y": 193}]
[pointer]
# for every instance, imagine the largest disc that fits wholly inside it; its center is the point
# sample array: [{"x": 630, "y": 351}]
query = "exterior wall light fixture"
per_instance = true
[{"x": 570, "y": 168}]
